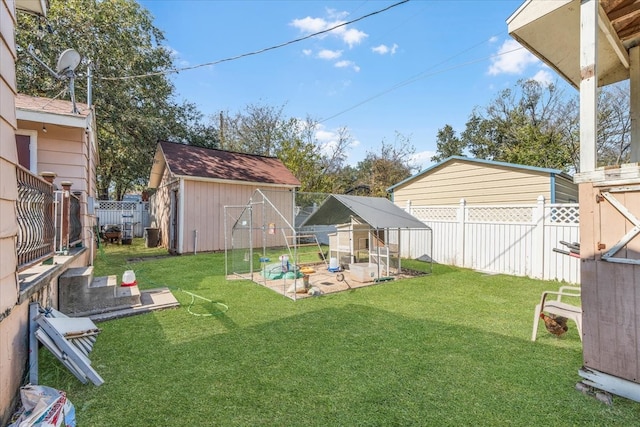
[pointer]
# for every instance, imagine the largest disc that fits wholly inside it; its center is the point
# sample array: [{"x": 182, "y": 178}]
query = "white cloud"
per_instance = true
[
  {"x": 351, "y": 36},
  {"x": 512, "y": 58},
  {"x": 493, "y": 39},
  {"x": 345, "y": 64},
  {"x": 309, "y": 25},
  {"x": 423, "y": 159},
  {"x": 544, "y": 77},
  {"x": 384, "y": 49},
  {"x": 329, "y": 54},
  {"x": 307, "y": 52}
]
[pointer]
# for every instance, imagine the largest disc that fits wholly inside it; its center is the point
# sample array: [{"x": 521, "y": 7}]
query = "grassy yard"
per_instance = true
[{"x": 449, "y": 349}]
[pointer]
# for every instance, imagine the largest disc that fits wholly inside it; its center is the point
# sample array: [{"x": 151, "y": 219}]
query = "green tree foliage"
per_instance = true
[
  {"x": 521, "y": 125},
  {"x": 387, "y": 166},
  {"x": 266, "y": 130},
  {"x": 448, "y": 144},
  {"x": 538, "y": 125},
  {"x": 120, "y": 40}
]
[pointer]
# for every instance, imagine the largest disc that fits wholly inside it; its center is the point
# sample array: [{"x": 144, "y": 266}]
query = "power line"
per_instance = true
[
  {"x": 415, "y": 78},
  {"x": 244, "y": 55}
]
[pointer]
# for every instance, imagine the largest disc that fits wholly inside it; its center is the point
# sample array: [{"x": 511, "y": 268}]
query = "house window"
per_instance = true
[{"x": 27, "y": 147}]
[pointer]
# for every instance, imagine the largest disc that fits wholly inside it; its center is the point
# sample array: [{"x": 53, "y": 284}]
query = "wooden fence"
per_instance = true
[{"x": 509, "y": 239}]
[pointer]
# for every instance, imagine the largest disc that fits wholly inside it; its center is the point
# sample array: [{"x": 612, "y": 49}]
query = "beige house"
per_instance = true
[
  {"x": 50, "y": 138},
  {"x": 193, "y": 186},
  {"x": 27, "y": 271},
  {"x": 483, "y": 182}
]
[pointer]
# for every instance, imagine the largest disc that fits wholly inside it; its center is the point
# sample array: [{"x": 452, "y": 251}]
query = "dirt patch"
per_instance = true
[{"x": 148, "y": 258}]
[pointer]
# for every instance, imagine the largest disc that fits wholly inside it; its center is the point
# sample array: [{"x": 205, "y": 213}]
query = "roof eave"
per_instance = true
[
  {"x": 550, "y": 30},
  {"x": 76, "y": 121}
]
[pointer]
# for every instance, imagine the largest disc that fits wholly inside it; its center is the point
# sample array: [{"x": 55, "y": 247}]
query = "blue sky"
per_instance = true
[{"x": 411, "y": 69}]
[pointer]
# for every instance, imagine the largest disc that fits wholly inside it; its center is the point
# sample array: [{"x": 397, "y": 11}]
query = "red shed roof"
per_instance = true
[{"x": 192, "y": 161}]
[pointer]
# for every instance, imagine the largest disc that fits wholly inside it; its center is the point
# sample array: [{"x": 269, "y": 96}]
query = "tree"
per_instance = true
[
  {"x": 386, "y": 167},
  {"x": 448, "y": 144},
  {"x": 132, "y": 113},
  {"x": 521, "y": 126}
]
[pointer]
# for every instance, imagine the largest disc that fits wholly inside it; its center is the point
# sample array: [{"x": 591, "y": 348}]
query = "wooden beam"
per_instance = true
[
  {"x": 612, "y": 37},
  {"x": 634, "y": 87},
  {"x": 589, "y": 11}
]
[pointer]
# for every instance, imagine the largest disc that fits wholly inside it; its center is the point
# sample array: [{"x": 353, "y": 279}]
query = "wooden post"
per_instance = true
[
  {"x": 634, "y": 77},
  {"x": 588, "y": 83}
]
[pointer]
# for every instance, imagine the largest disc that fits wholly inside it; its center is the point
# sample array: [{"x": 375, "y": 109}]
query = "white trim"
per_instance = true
[
  {"x": 79, "y": 121},
  {"x": 33, "y": 148},
  {"x": 236, "y": 182},
  {"x": 181, "y": 219},
  {"x": 606, "y": 382}
]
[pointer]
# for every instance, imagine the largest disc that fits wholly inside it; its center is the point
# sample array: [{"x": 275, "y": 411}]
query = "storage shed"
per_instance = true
[
  {"x": 194, "y": 184},
  {"x": 483, "y": 182}
]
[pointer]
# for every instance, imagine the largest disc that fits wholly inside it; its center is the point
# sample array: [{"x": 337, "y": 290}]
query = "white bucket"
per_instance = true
[{"x": 333, "y": 262}]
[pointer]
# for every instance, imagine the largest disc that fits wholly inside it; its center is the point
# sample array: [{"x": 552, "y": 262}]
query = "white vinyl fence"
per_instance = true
[
  {"x": 115, "y": 212},
  {"x": 509, "y": 239}
]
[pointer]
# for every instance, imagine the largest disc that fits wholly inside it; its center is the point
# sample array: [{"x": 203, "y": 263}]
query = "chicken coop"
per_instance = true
[
  {"x": 321, "y": 245},
  {"x": 372, "y": 236},
  {"x": 263, "y": 245}
]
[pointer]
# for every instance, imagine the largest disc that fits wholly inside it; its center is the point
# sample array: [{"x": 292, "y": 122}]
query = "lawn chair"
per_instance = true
[{"x": 558, "y": 308}]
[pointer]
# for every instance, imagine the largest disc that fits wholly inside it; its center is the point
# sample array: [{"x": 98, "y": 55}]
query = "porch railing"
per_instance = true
[
  {"x": 68, "y": 224},
  {"x": 35, "y": 215}
]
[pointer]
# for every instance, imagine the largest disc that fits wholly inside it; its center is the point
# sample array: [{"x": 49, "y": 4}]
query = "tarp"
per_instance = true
[{"x": 378, "y": 212}]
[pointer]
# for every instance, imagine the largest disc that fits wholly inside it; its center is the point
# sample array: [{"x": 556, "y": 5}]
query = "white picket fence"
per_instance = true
[
  {"x": 509, "y": 239},
  {"x": 115, "y": 212}
]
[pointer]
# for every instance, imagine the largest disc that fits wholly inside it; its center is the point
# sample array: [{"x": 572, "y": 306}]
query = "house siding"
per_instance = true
[
  {"x": 63, "y": 151},
  {"x": 12, "y": 326},
  {"x": 476, "y": 183}
]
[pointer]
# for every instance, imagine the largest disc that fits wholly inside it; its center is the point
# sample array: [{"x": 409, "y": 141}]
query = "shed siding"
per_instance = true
[
  {"x": 566, "y": 190},
  {"x": 476, "y": 183},
  {"x": 204, "y": 204}
]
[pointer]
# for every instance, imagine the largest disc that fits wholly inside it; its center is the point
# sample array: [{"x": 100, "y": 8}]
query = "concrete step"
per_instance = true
[{"x": 80, "y": 294}]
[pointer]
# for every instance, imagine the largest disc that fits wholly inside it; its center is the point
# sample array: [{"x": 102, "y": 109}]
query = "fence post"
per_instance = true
[
  {"x": 537, "y": 256},
  {"x": 462, "y": 216}
]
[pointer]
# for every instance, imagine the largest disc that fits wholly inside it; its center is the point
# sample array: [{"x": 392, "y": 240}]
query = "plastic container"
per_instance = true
[
  {"x": 129, "y": 278},
  {"x": 363, "y": 272}
]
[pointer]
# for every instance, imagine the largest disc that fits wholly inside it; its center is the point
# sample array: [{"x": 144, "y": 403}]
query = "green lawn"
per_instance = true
[{"x": 449, "y": 349}]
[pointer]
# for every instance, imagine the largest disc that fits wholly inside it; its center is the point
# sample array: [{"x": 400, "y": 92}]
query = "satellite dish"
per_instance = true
[{"x": 68, "y": 61}]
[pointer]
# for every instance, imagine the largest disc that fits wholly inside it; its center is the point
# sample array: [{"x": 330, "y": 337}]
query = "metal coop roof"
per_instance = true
[{"x": 378, "y": 212}]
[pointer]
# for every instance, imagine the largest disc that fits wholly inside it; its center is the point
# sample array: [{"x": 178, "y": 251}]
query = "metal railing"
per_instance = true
[{"x": 35, "y": 217}]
